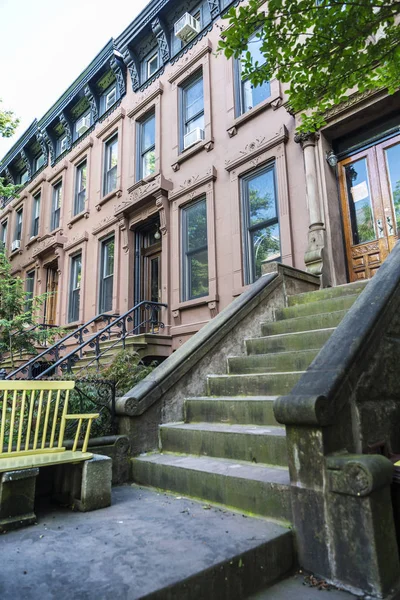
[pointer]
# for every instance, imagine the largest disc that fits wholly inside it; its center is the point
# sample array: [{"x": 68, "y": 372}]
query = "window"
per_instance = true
[
  {"x": 146, "y": 147},
  {"x": 3, "y": 238},
  {"x": 110, "y": 165},
  {"x": 38, "y": 162},
  {"x": 82, "y": 124},
  {"x": 18, "y": 225},
  {"x": 152, "y": 65},
  {"x": 106, "y": 275},
  {"x": 110, "y": 97},
  {"x": 30, "y": 287},
  {"x": 80, "y": 188},
  {"x": 194, "y": 251},
  {"x": 250, "y": 95},
  {"x": 261, "y": 237},
  {"x": 35, "y": 216},
  {"x": 192, "y": 112},
  {"x": 74, "y": 288},
  {"x": 62, "y": 144},
  {"x": 56, "y": 206},
  {"x": 23, "y": 177}
]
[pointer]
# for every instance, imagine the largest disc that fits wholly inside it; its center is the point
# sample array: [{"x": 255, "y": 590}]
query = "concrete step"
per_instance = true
[
  {"x": 256, "y": 489},
  {"x": 253, "y": 443},
  {"x": 333, "y": 292},
  {"x": 312, "y": 308},
  {"x": 288, "y": 342},
  {"x": 239, "y": 410},
  {"x": 274, "y": 363},
  {"x": 311, "y": 322},
  {"x": 260, "y": 384},
  {"x": 297, "y": 587}
]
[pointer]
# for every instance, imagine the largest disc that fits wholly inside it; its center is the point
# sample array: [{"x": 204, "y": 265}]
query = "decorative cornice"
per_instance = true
[
  {"x": 106, "y": 222},
  {"x": 116, "y": 68},
  {"x": 56, "y": 172},
  {"x": 142, "y": 193},
  {"x": 78, "y": 239},
  {"x": 145, "y": 98},
  {"x": 111, "y": 122},
  {"x": 213, "y": 5},
  {"x": 190, "y": 59},
  {"x": 26, "y": 162},
  {"x": 92, "y": 101},
  {"x": 50, "y": 243},
  {"x": 49, "y": 145},
  {"x": 354, "y": 99},
  {"x": 132, "y": 65},
  {"x": 81, "y": 149},
  {"x": 306, "y": 139},
  {"x": 258, "y": 146},
  {"x": 191, "y": 183},
  {"x": 36, "y": 183},
  {"x": 9, "y": 175},
  {"x": 162, "y": 39}
]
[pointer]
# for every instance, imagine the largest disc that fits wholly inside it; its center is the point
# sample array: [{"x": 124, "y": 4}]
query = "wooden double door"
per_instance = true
[{"x": 370, "y": 196}]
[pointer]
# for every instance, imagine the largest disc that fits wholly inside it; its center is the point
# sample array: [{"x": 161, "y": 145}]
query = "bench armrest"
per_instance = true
[{"x": 89, "y": 417}]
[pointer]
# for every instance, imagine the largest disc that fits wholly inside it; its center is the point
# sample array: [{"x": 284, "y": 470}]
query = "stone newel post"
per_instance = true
[{"x": 314, "y": 258}]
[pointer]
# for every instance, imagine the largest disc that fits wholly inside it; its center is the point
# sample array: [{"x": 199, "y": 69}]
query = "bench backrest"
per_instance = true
[{"x": 33, "y": 415}]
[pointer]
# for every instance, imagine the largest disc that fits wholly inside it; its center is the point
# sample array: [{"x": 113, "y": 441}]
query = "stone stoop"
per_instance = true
[{"x": 229, "y": 449}]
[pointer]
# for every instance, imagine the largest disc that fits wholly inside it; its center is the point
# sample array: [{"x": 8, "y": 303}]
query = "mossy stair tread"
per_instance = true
[
  {"x": 220, "y": 466},
  {"x": 312, "y": 339},
  {"x": 292, "y": 360},
  {"x": 313, "y": 308},
  {"x": 307, "y": 323},
  {"x": 232, "y": 398},
  {"x": 221, "y": 428},
  {"x": 317, "y": 295}
]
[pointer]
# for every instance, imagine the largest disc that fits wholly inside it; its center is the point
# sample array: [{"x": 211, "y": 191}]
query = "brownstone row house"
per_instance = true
[{"x": 162, "y": 174}]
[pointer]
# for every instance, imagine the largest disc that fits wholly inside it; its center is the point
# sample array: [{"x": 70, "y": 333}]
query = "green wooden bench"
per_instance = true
[{"x": 34, "y": 417}]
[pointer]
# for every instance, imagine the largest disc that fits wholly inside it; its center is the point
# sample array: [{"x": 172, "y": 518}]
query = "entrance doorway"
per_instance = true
[
  {"x": 50, "y": 308},
  {"x": 370, "y": 197},
  {"x": 148, "y": 264}
]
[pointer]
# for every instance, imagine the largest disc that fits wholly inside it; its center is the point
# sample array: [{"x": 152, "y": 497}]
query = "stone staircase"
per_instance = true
[{"x": 229, "y": 449}]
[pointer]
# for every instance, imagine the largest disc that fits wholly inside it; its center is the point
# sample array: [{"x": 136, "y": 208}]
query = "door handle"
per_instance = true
[
  {"x": 390, "y": 225},
  {"x": 379, "y": 224}
]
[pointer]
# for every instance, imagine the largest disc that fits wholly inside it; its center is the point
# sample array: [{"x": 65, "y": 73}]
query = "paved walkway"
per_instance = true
[{"x": 142, "y": 543}]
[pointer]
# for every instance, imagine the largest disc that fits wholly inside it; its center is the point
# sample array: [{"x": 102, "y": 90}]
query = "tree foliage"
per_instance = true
[
  {"x": 322, "y": 49},
  {"x": 8, "y": 124},
  {"x": 19, "y": 316}
]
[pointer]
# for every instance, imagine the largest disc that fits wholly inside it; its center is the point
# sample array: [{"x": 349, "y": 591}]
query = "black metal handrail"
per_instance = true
[
  {"x": 132, "y": 315},
  {"x": 55, "y": 349}
]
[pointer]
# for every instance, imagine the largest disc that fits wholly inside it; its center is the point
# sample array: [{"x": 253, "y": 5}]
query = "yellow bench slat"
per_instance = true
[
  {"x": 83, "y": 416},
  {"x": 15, "y": 463},
  {"x": 28, "y": 384}
]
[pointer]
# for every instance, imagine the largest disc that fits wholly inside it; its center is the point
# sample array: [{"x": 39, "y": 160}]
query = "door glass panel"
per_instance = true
[
  {"x": 360, "y": 204},
  {"x": 393, "y": 167},
  {"x": 154, "y": 279},
  {"x": 266, "y": 246},
  {"x": 262, "y": 204}
]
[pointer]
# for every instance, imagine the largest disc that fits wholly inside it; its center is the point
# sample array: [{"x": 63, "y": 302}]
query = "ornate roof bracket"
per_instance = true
[
  {"x": 133, "y": 68},
  {"x": 49, "y": 144},
  {"x": 92, "y": 101},
  {"x": 26, "y": 162},
  {"x": 119, "y": 74},
  {"x": 214, "y": 8},
  {"x": 162, "y": 39},
  {"x": 42, "y": 144},
  {"x": 67, "y": 128},
  {"x": 9, "y": 175}
]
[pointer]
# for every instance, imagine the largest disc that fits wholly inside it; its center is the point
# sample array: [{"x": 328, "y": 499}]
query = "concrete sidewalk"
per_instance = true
[{"x": 147, "y": 544}]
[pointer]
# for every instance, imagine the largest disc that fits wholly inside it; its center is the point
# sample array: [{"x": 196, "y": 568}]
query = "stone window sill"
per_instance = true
[
  {"x": 114, "y": 194},
  {"x": 206, "y": 145},
  {"x": 81, "y": 215},
  {"x": 195, "y": 302},
  {"x": 273, "y": 102},
  {"x": 32, "y": 240}
]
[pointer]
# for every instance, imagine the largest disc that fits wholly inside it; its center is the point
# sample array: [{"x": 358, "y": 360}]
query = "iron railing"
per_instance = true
[
  {"x": 95, "y": 395},
  {"x": 141, "y": 316},
  {"x": 54, "y": 350}
]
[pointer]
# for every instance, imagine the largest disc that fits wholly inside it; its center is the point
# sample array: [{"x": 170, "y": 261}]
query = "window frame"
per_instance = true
[
  {"x": 141, "y": 152},
  {"x": 36, "y": 167},
  {"x": 109, "y": 143},
  {"x": 102, "y": 286},
  {"x": 183, "y": 122},
  {"x": 112, "y": 88},
  {"x": 4, "y": 232},
  {"x": 186, "y": 254},
  {"x": 74, "y": 292},
  {"x": 18, "y": 224},
  {"x": 35, "y": 217},
  {"x": 78, "y": 192},
  {"x": 249, "y": 274},
  {"x": 240, "y": 108},
  {"x": 30, "y": 277},
  {"x": 55, "y": 217}
]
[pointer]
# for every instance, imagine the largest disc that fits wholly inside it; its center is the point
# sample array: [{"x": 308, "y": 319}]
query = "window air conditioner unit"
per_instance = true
[
  {"x": 194, "y": 136},
  {"x": 83, "y": 124},
  {"x": 186, "y": 28},
  {"x": 16, "y": 245}
]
